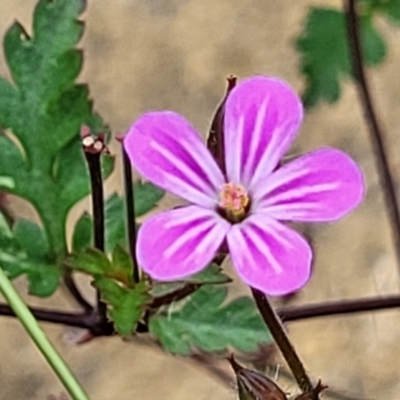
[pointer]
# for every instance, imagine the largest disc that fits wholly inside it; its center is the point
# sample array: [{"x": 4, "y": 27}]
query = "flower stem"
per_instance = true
[
  {"x": 130, "y": 213},
  {"x": 93, "y": 161},
  {"x": 338, "y": 308},
  {"x": 38, "y": 336},
  {"x": 74, "y": 291},
  {"x": 277, "y": 330},
  {"x": 287, "y": 314},
  {"x": 376, "y": 134}
]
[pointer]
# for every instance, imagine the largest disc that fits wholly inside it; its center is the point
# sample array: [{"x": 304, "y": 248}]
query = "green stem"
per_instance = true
[{"x": 39, "y": 337}]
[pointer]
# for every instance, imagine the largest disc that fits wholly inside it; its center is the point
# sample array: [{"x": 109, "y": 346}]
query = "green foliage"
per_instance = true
[
  {"x": 24, "y": 250},
  {"x": 325, "y": 53},
  {"x": 83, "y": 233},
  {"x": 94, "y": 262},
  {"x": 43, "y": 110},
  {"x": 388, "y": 8},
  {"x": 91, "y": 261},
  {"x": 115, "y": 218},
  {"x": 211, "y": 275},
  {"x": 203, "y": 322},
  {"x": 146, "y": 197},
  {"x": 125, "y": 305},
  {"x": 113, "y": 278}
]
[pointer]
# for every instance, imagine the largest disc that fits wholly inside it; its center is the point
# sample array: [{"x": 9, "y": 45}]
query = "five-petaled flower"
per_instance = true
[{"x": 245, "y": 208}]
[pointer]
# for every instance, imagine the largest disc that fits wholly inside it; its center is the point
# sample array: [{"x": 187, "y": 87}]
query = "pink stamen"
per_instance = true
[{"x": 234, "y": 199}]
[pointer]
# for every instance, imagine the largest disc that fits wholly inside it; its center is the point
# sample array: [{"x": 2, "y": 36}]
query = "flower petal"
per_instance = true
[
  {"x": 321, "y": 186},
  {"x": 178, "y": 243},
  {"x": 167, "y": 150},
  {"x": 269, "y": 256},
  {"x": 262, "y": 116}
]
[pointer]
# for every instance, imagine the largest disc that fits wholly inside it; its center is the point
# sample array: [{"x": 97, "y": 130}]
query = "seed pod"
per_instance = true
[{"x": 255, "y": 386}]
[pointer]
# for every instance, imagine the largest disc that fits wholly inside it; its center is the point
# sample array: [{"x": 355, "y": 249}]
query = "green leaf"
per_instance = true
[
  {"x": 43, "y": 279},
  {"x": 146, "y": 197},
  {"x": 389, "y": 8},
  {"x": 31, "y": 238},
  {"x": 44, "y": 110},
  {"x": 203, "y": 322},
  {"x": 7, "y": 182},
  {"x": 122, "y": 266},
  {"x": 374, "y": 46},
  {"x": 82, "y": 236},
  {"x": 114, "y": 222},
  {"x": 125, "y": 306},
  {"x": 90, "y": 261},
  {"x": 11, "y": 160},
  {"x": 325, "y": 54},
  {"x": 94, "y": 262},
  {"x": 212, "y": 274},
  {"x": 11, "y": 254},
  {"x": 24, "y": 250},
  {"x": 5, "y": 231}
]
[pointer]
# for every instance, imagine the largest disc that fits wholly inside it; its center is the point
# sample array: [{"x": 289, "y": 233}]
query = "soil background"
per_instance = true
[{"x": 176, "y": 54}]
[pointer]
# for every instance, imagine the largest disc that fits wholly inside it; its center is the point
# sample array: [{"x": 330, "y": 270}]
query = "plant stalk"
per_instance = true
[
  {"x": 40, "y": 339},
  {"x": 277, "y": 330},
  {"x": 94, "y": 164},
  {"x": 130, "y": 213},
  {"x": 375, "y": 131}
]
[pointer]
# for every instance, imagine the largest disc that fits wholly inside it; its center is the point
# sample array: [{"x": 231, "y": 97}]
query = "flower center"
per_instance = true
[{"x": 234, "y": 202}]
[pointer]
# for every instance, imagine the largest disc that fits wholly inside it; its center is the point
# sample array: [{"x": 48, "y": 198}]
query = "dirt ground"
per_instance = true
[{"x": 175, "y": 54}]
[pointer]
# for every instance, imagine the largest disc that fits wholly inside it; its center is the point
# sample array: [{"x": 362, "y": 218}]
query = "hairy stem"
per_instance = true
[
  {"x": 277, "y": 330},
  {"x": 130, "y": 213},
  {"x": 375, "y": 131}
]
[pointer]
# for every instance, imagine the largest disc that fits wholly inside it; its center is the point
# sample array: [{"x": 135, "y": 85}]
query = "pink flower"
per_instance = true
[{"x": 245, "y": 207}]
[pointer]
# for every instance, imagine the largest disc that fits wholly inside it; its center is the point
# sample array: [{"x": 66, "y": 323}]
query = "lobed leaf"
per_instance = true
[
  {"x": 24, "y": 250},
  {"x": 95, "y": 262},
  {"x": 146, "y": 197},
  {"x": 212, "y": 274},
  {"x": 91, "y": 261},
  {"x": 389, "y": 8},
  {"x": 125, "y": 305},
  {"x": 43, "y": 109},
  {"x": 31, "y": 237},
  {"x": 205, "y": 323},
  {"x": 83, "y": 235},
  {"x": 122, "y": 266},
  {"x": 325, "y": 54}
]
